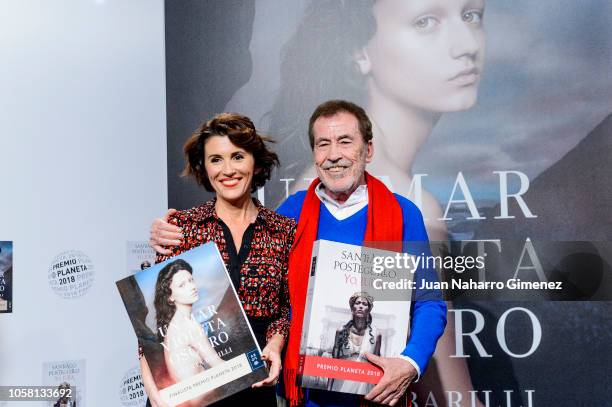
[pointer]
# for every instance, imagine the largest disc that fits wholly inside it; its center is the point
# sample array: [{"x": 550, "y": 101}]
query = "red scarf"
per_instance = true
[{"x": 385, "y": 224}]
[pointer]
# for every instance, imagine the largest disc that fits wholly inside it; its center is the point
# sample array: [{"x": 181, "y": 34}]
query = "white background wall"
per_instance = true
[{"x": 82, "y": 167}]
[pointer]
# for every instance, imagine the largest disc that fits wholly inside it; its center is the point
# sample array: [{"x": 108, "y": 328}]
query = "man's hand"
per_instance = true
[
  {"x": 398, "y": 374},
  {"x": 165, "y": 234},
  {"x": 271, "y": 354}
]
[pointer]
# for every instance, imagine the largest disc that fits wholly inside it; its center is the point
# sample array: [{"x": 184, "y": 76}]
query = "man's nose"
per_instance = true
[{"x": 334, "y": 152}]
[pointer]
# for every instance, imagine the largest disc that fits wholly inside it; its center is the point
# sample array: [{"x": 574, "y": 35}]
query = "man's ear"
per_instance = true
[
  {"x": 369, "y": 151},
  {"x": 362, "y": 59}
]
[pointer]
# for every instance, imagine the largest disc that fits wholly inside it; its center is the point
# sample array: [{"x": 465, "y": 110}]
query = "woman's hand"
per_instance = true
[
  {"x": 158, "y": 402},
  {"x": 149, "y": 385},
  {"x": 272, "y": 355}
]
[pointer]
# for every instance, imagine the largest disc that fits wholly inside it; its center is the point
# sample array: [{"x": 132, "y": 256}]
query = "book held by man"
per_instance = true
[
  {"x": 192, "y": 329},
  {"x": 350, "y": 311}
]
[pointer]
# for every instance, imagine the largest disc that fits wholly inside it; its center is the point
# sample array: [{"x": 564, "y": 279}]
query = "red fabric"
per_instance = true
[{"x": 385, "y": 225}]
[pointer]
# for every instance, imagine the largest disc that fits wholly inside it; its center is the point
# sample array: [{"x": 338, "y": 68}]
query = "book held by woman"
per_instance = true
[{"x": 192, "y": 328}]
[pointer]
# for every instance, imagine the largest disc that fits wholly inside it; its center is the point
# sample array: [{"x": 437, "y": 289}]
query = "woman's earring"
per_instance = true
[{"x": 364, "y": 66}]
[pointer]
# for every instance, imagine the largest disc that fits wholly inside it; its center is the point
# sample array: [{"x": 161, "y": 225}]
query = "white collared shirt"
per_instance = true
[{"x": 356, "y": 202}]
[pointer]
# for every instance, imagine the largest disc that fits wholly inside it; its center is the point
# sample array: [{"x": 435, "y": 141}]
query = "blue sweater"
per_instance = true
[{"x": 429, "y": 311}]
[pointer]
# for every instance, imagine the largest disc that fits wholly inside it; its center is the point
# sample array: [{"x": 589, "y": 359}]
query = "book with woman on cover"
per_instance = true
[
  {"x": 6, "y": 277},
  {"x": 350, "y": 311},
  {"x": 192, "y": 328}
]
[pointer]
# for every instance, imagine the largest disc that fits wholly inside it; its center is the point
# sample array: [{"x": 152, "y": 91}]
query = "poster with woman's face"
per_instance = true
[{"x": 492, "y": 116}]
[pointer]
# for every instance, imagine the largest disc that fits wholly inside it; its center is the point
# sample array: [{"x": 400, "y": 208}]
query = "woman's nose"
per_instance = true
[
  {"x": 228, "y": 169},
  {"x": 464, "y": 41}
]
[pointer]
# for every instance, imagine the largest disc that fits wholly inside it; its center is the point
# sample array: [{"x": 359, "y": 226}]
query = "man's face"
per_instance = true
[{"x": 340, "y": 154}]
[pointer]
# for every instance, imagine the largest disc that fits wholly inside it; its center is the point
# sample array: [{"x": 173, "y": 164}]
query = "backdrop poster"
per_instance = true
[{"x": 493, "y": 117}]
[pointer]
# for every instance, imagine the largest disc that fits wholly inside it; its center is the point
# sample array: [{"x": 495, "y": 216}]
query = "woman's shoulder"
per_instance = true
[{"x": 278, "y": 222}]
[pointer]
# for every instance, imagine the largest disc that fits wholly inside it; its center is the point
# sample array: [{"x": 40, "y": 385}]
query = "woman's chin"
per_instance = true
[
  {"x": 232, "y": 195},
  {"x": 464, "y": 101}
]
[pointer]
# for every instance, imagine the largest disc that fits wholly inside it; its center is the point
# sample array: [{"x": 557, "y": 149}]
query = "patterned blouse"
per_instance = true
[{"x": 259, "y": 270}]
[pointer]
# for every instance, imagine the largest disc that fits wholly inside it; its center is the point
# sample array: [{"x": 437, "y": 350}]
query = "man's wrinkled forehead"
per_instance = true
[{"x": 337, "y": 125}]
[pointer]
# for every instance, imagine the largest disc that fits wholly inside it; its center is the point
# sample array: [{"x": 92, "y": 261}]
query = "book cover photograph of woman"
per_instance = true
[
  {"x": 187, "y": 348},
  {"x": 188, "y": 320},
  {"x": 358, "y": 336}
]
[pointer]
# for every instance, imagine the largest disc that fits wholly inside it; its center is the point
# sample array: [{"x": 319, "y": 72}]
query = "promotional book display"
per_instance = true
[
  {"x": 348, "y": 314},
  {"x": 192, "y": 329},
  {"x": 6, "y": 277}
]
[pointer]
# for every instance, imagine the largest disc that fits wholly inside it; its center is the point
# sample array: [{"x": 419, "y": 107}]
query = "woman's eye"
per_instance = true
[
  {"x": 215, "y": 160},
  {"x": 425, "y": 23},
  {"x": 238, "y": 157},
  {"x": 473, "y": 16}
]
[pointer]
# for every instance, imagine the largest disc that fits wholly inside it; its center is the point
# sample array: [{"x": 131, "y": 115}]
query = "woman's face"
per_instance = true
[
  {"x": 361, "y": 307},
  {"x": 229, "y": 168},
  {"x": 427, "y": 54},
  {"x": 183, "y": 288}
]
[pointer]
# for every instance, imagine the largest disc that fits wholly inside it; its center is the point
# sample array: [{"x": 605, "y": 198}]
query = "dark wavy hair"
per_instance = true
[
  {"x": 242, "y": 133},
  {"x": 318, "y": 64},
  {"x": 344, "y": 333},
  {"x": 164, "y": 308}
]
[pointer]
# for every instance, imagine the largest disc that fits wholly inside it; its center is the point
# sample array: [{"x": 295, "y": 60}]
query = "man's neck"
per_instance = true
[
  {"x": 339, "y": 197},
  {"x": 342, "y": 196}
]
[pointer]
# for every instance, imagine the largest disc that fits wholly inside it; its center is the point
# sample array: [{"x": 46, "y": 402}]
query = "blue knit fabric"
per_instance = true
[{"x": 428, "y": 310}]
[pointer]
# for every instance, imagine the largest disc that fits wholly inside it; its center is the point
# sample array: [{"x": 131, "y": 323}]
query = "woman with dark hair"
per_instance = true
[
  {"x": 406, "y": 62},
  {"x": 357, "y": 337},
  {"x": 227, "y": 156},
  {"x": 186, "y": 345}
]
